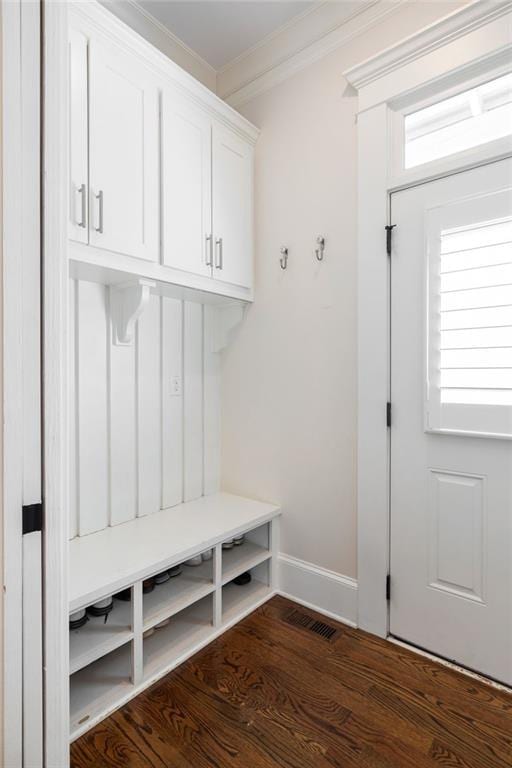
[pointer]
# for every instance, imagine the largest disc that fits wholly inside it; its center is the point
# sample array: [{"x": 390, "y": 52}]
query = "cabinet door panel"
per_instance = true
[
  {"x": 186, "y": 186},
  {"x": 232, "y": 207},
  {"x": 78, "y": 160},
  {"x": 123, "y": 145}
]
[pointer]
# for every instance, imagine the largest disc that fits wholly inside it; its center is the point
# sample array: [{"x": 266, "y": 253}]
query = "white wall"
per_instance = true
[{"x": 289, "y": 379}]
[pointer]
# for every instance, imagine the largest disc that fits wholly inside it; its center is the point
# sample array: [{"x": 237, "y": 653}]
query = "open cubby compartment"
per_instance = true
[
  {"x": 256, "y": 548},
  {"x": 186, "y": 632},
  {"x": 237, "y": 600},
  {"x": 98, "y": 637},
  {"x": 97, "y": 689},
  {"x": 171, "y": 597}
]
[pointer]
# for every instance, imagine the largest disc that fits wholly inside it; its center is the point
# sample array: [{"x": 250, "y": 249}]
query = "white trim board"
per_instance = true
[
  {"x": 462, "y": 39},
  {"x": 12, "y": 402},
  {"x": 317, "y": 588},
  {"x": 436, "y": 35}
]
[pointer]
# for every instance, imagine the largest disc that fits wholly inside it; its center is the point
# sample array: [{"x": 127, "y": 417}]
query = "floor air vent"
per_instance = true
[{"x": 302, "y": 620}]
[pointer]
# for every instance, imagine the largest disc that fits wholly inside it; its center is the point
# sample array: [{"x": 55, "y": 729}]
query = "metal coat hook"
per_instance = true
[
  {"x": 283, "y": 261},
  {"x": 319, "y": 252}
]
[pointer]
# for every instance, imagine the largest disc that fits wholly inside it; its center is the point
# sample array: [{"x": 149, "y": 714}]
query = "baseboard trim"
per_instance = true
[{"x": 319, "y": 589}]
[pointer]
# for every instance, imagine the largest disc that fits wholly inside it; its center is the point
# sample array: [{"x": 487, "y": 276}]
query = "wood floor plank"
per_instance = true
[{"x": 268, "y": 694}]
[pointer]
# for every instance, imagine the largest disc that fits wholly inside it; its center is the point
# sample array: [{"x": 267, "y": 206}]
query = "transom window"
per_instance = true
[{"x": 461, "y": 122}]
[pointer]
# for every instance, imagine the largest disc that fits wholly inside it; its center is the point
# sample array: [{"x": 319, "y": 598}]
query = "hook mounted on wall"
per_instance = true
[
  {"x": 319, "y": 252},
  {"x": 283, "y": 261}
]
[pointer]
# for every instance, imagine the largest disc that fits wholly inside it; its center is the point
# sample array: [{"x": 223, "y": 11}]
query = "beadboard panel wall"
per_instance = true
[{"x": 144, "y": 417}]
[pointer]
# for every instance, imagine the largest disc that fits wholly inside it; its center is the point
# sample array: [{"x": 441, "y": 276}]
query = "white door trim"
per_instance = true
[
  {"x": 55, "y": 297},
  {"x": 12, "y": 444},
  {"x": 446, "y": 54}
]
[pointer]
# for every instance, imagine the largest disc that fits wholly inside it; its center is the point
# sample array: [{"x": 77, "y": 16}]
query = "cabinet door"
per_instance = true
[
  {"x": 78, "y": 161},
  {"x": 186, "y": 186},
  {"x": 232, "y": 207},
  {"x": 123, "y": 153}
]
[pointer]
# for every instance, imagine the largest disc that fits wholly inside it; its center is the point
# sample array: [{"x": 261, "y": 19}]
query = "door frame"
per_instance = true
[
  {"x": 21, "y": 372},
  {"x": 55, "y": 379},
  {"x": 462, "y": 49},
  {"x": 22, "y": 96}
]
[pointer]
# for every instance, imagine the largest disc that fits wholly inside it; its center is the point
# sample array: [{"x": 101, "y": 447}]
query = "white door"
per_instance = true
[
  {"x": 186, "y": 186},
  {"x": 451, "y": 435},
  {"x": 78, "y": 139},
  {"x": 123, "y": 154},
  {"x": 232, "y": 164}
]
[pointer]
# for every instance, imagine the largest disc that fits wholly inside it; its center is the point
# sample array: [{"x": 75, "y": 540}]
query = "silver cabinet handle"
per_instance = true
[
  {"x": 219, "y": 256},
  {"x": 99, "y": 198},
  {"x": 81, "y": 191},
  {"x": 209, "y": 251}
]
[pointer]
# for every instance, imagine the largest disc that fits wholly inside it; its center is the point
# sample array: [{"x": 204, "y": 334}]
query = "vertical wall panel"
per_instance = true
[
  {"x": 172, "y": 402},
  {"x": 72, "y": 406},
  {"x": 93, "y": 459},
  {"x": 193, "y": 400},
  {"x": 212, "y": 403},
  {"x": 144, "y": 418},
  {"x": 123, "y": 463},
  {"x": 149, "y": 408}
]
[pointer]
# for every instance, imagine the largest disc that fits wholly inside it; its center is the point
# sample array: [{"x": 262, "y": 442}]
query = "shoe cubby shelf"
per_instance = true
[{"x": 146, "y": 636}]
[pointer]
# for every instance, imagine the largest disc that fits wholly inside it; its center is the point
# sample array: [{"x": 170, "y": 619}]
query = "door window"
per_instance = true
[{"x": 469, "y": 327}]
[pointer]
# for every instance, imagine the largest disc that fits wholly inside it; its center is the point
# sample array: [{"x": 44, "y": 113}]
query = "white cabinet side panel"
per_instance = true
[
  {"x": 93, "y": 460},
  {"x": 193, "y": 400},
  {"x": 149, "y": 408},
  {"x": 122, "y": 408},
  {"x": 172, "y": 402},
  {"x": 72, "y": 415},
  {"x": 212, "y": 402}
]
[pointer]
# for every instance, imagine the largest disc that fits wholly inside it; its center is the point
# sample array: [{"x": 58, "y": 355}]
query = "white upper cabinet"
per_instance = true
[
  {"x": 160, "y": 169},
  {"x": 232, "y": 172},
  {"x": 123, "y": 153},
  {"x": 78, "y": 140},
  {"x": 186, "y": 186}
]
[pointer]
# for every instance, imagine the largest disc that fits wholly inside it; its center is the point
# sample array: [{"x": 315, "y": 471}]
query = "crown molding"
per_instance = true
[
  {"x": 450, "y": 28},
  {"x": 143, "y": 22},
  {"x": 289, "y": 26},
  {"x": 249, "y": 79}
]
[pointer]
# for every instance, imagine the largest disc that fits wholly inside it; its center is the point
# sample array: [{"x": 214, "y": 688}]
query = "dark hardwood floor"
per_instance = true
[{"x": 269, "y": 693}]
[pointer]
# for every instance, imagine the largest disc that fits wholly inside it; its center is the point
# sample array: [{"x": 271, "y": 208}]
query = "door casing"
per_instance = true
[{"x": 469, "y": 44}]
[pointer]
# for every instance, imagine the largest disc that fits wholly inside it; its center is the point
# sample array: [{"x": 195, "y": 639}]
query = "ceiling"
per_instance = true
[{"x": 220, "y": 30}]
